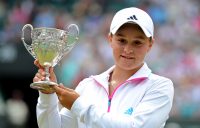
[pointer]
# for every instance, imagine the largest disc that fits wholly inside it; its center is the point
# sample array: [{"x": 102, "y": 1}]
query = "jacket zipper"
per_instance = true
[
  {"x": 109, "y": 104},
  {"x": 111, "y": 96}
]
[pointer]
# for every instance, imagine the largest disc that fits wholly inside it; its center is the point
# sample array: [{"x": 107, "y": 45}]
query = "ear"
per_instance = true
[
  {"x": 151, "y": 42},
  {"x": 109, "y": 38}
]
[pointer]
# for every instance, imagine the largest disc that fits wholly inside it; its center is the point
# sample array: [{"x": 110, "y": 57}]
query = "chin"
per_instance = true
[{"x": 131, "y": 66}]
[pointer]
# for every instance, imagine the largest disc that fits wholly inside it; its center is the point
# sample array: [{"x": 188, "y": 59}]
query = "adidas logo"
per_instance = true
[
  {"x": 129, "y": 111},
  {"x": 133, "y": 17}
]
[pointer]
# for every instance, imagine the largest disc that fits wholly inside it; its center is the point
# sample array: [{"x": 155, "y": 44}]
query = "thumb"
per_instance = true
[
  {"x": 61, "y": 85},
  {"x": 57, "y": 89}
]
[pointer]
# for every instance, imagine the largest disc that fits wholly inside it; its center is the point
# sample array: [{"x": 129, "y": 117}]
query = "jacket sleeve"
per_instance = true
[
  {"x": 50, "y": 114},
  {"x": 152, "y": 111}
]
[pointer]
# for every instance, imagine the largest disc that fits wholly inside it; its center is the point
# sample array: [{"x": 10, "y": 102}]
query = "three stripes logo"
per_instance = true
[
  {"x": 129, "y": 111},
  {"x": 133, "y": 17}
]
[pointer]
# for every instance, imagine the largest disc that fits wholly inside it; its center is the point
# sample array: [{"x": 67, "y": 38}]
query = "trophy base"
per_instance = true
[{"x": 43, "y": 86}]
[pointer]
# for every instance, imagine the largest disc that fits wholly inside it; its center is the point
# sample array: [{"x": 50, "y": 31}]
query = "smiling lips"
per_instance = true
[{"x": 126, "y": 57}]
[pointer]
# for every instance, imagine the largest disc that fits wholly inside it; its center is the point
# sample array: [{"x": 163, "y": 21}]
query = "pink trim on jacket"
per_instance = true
[{"x": 138, "y": 80}]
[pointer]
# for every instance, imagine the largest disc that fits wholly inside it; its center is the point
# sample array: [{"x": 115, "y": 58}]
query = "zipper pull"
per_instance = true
[{"x": 109, "y": 104}]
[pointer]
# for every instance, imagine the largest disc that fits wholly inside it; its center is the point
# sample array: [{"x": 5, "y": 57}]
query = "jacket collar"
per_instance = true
[{"x": 141, "y": 74}]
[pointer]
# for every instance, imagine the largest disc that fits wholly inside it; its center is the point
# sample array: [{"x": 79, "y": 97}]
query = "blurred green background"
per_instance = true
[{"x": 175, "y": 53}]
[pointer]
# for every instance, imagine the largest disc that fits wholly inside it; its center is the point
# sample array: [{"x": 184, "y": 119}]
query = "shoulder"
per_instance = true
[
  {"x": 159, "y": 79},
  {"x": 82, "y": 85},
  {"x": 161, "y": 84},
  {"x": 94, "y": 80}
]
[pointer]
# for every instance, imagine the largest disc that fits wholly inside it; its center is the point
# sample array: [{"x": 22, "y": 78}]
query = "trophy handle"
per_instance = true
[
  {"x": 73, "y": 29},
  {"x": 72, "y": 32},
  {"x": 29, "y": 48}
]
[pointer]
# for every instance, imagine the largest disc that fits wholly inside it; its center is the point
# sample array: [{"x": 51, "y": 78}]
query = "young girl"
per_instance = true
[{"x": 128, "y": 95}]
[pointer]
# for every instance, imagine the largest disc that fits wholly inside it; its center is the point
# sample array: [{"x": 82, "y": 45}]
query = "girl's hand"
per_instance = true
[
  {"x": 40, "y": 75},
  {"x": 66, "y": 96}
]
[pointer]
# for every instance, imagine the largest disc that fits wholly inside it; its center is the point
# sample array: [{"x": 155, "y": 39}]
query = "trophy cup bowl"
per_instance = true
[{"x": 48, "y": 46}]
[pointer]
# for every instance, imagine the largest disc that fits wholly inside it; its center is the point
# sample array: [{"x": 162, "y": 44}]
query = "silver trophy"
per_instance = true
[{"x": 48, "y": 46}]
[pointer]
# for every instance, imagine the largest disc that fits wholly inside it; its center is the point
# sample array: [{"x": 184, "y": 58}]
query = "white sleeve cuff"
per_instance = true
[
  {"x": 79, "y": 107},
  {"x": 47, "y": 99}
]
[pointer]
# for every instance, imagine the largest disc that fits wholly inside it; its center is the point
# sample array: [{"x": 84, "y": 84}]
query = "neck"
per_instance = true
[
  {"x": 116, "y": 78},
  {"x": 120, "y": 75}
]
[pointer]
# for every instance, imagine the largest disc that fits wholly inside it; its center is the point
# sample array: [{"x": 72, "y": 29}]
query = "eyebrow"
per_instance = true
[{"x": 119, "y": 34}]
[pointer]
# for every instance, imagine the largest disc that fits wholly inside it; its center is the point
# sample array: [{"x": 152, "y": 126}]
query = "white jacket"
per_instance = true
[{"x": 143, "y": 101}]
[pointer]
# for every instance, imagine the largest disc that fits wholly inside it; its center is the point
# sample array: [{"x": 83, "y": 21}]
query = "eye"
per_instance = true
[
  {"x": 138, "y": 43},
  {"x": 121, "y": 41}
]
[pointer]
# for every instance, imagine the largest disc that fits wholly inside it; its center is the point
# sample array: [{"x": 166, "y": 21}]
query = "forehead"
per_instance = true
[{"x": 132, "y": 27}]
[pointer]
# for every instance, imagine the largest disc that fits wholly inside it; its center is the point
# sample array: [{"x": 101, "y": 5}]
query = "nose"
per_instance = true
[{"x": 128, "y": 49}]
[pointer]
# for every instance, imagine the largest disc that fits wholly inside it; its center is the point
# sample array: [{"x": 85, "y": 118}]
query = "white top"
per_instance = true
[{"x": 143, "y": 101}]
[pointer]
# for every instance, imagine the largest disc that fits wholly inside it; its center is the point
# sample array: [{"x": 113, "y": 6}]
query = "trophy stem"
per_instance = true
[
  {"x": 46, "y": 68},
  {"x": 47, "y": 73},
  {"x": 46, "y": 84}
]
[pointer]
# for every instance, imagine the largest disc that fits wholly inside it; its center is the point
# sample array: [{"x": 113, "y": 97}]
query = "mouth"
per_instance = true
[{"x": 127, "y": 57}]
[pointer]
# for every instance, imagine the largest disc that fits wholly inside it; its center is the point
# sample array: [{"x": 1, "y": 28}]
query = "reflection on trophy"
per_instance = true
[{"x": 49, "y": 45}]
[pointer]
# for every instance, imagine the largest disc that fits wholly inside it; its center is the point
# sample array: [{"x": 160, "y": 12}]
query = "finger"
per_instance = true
[
  {"x": 40, "y": 75},
  {"x": 65, "y": 88},
  {"x": 36, "y": 79},
  {"x": 61, "y": 85},
  {"x": 57, "y": 89},
  {"x": 45, "y": 92},
  {"x": 36, "y": 62},
  {"x": 42, "y": 72}
]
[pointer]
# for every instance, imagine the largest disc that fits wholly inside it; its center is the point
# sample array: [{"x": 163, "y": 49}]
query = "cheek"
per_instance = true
[
  {"x": 148, "y": 49},
  {"x": 115, "y": 47},
  {"x": 116, "y": 51},
  {"x": 141, "y": 52}
]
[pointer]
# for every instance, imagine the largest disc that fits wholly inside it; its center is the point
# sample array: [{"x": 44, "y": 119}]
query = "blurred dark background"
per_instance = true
[{"x": 175, "y": 54}]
